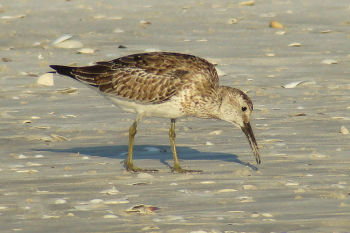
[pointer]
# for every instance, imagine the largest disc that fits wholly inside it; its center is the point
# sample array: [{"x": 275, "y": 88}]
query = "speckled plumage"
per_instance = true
[{"x": 168, "y": 85}]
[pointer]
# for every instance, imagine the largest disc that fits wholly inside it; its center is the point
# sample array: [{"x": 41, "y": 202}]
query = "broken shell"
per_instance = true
[
  {"x": 110, "y": 216},
  {"x": 292, "y": 84},
  {"x": 247, "y": 3},
  {"x": 86, "y": 51},
  {"x": 344, "y": 130},
  {"x": 61, "y": 39},
  {"x": 329, "y": 61},
  {"x": 13, "y": 16},
  {"x": 276, "y": 24},
  {"x": 46, "y": 80},
  {"x": 295, "y": 44}
]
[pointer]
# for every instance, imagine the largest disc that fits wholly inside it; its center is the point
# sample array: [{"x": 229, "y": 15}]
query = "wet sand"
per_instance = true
[{"x": 63, "y": 146}]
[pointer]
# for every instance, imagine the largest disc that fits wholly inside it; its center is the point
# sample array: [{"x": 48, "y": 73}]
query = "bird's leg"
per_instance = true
[
  {"x": 129, "y": 162},
  {"x": 172, "y": 135}
]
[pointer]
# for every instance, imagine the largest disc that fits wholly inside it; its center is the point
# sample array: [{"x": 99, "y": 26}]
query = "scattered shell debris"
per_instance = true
[
  {"x": 142, "y": 209},
  {"x": 45, "y": 79}
]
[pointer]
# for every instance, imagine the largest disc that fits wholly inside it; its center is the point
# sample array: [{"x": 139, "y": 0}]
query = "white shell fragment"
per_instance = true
[
  {"x": 61, "y": 39},
  {"x": 86, "y": 51},
  {"x": 344, "y": 130},
  {"x": 247, "y": 3},
  {"x": 295, "y": 44},
  {"x": 292, "y": 84},
  {"x": 329, "y": 61},
  {"x": 110, "y": 216},
  {"x": 13, "y": 16},
  {"x": 46, "y": 79}
]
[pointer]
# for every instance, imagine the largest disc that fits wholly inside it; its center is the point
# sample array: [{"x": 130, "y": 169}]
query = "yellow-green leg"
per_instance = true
[
  {"x": 129, "y": 162},
  {"x": 172, "y": 135}
]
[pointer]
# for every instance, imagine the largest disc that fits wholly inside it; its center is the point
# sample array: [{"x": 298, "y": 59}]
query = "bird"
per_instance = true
[{"x": 168, "y": 85}]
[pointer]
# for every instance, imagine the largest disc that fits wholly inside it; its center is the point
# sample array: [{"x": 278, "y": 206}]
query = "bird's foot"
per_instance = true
[
  {"x": 132, "y": 168},
  {"x": 179, "y": 169}
]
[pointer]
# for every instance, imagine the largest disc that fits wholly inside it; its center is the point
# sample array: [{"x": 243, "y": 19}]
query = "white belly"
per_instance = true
[{"x": 168, "y": 109}]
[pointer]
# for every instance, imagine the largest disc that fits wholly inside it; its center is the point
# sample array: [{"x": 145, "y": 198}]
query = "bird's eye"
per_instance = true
[{"x": 244, "y": 109}]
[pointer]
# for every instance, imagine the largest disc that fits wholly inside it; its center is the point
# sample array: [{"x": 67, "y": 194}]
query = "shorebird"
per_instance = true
[{"x": 169, "y": 85}]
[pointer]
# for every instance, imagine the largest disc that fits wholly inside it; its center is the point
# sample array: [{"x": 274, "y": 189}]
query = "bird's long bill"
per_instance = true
[{"x": 247, "y": 129}]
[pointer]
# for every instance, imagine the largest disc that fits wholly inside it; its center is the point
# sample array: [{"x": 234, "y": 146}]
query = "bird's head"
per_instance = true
[{"x": 236, "y": 108}]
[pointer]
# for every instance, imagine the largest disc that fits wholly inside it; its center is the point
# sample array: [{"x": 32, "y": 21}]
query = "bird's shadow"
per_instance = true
[{"x": 163, "y": 153}]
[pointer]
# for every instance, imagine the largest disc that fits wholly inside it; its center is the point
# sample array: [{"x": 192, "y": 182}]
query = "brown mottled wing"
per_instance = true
[{"x": 147, "y": 77}]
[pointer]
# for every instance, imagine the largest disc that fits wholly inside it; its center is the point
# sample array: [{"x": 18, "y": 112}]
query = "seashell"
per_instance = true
[
  {"x": 344, "y": 130},
  {"x": 276, "y": 24},
  {"x": 247, "y": 3},
  {"x": 13, "y": 16},
  {"x": 45, "y": 79},
  {"x": 110, "y": 216},
  {"x": 329, "y": 61},
  {"x": 86, "y": 51},
  {"x": 292, "y": 84},
  {"x": 295, "y": 44},
  {"x": 209, "y": 143},
  {"x": 61, "y": 39},
  {"x": 227, "y": 190}
]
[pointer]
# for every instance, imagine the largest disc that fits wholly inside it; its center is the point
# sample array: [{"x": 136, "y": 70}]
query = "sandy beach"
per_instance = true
[{"x": 63, "y": 145}]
